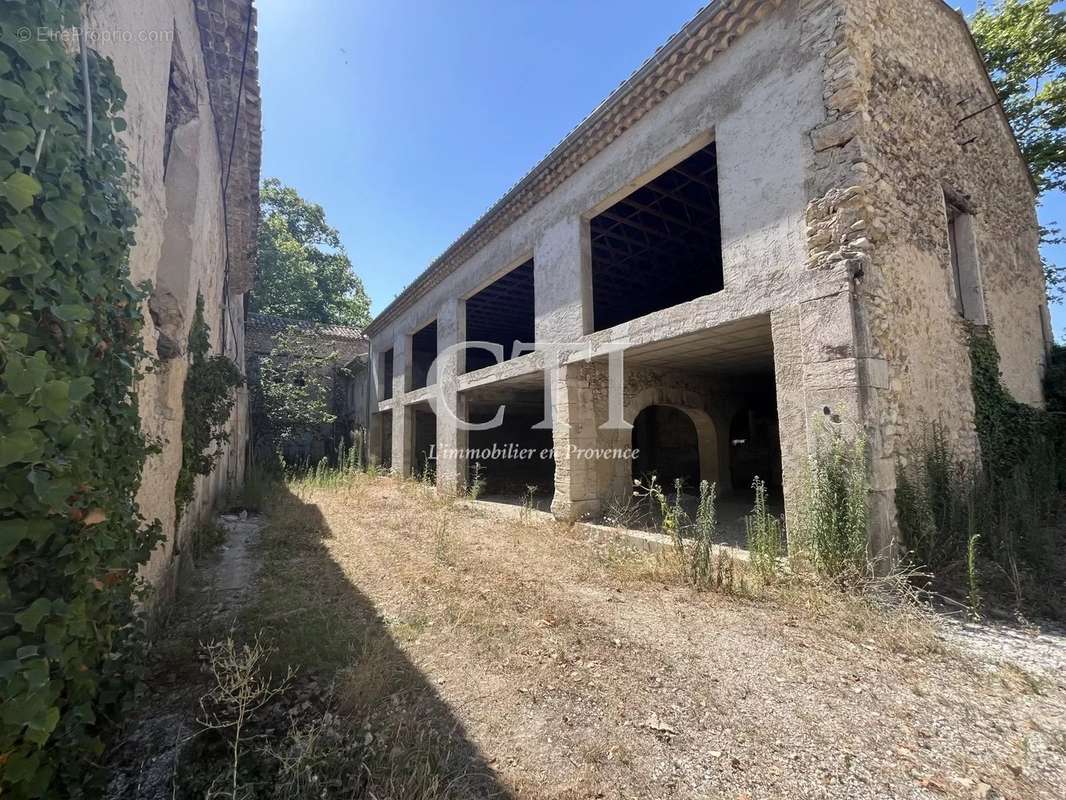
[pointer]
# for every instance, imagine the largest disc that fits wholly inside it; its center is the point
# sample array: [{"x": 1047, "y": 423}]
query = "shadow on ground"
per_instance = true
[
  {"x": 414, "y": 746},
  {"x": 359, "y": 720}
]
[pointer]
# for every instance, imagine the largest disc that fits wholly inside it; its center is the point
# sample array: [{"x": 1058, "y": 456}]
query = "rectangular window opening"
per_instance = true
[
  {"x": 967, "y": 293},
  {"x": 659, "y": 246},
  {"x": 423, "y": 354},
  {"x": 501, "y": 313},
  {"x": 386, "y": 375}
]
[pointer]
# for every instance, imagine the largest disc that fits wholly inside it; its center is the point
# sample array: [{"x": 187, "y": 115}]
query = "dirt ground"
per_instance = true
[{"x": 473, "y": 653}]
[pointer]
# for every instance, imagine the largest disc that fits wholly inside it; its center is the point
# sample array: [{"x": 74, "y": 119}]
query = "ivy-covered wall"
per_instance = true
[
  {"x": 180, "y": 107},
  {"x": 104, "y": 247}
]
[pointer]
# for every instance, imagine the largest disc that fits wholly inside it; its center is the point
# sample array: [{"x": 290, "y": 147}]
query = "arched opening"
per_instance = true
[{"x": 667, "y": 446}]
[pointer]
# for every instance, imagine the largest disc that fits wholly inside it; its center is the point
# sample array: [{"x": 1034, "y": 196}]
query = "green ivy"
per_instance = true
[
  {"x": 71, "y": 447},
  {"x": 209, "y": 398},
  {"x": 1005, "y": 427}
]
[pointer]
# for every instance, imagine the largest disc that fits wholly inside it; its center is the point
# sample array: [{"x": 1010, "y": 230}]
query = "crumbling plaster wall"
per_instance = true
[{"x": 179, "y": 246}]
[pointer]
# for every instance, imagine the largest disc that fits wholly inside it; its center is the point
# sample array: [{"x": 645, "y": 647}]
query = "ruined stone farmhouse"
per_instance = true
[
  {"x": 788, "y": 218},
  {"x": 343, "y": 350},
  {"x": 189, "y": 70}
]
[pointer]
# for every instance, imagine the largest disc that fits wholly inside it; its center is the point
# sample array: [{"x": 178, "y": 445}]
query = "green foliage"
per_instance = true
[
  {"x": 477, "y": 482},
  {"x": 292, "y": 394},
  {"x": 672, "y": 517},
  {"x": 1005, "y": 427},
  {"x": 835, "y": 513},
  {"x": 1055, "y": 380},
  {"x": 1023, "y": 43},
  {"x": 71, "y": 447},
  {"x": 1024, "y": 46},
  {"x": 933, "y": 499},
  {"x": 209, "y": 395},
  {"x": 763, "y": 529},
  {"x": 1003, "y": 509},
  {"x": 304, "y": 272},
  {"x": 705, "y": 531}
]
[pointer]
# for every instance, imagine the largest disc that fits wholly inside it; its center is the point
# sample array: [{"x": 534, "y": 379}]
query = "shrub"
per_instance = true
[
  {"x": 763, "y": 530},
  {"x": 291, "y": 395},
  {"x": 705, "y": 531},
  {"x": 1002, "y": 508},
  {"x": 835, "y": 513}
]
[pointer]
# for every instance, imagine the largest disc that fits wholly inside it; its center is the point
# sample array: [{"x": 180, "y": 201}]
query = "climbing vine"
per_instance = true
[
  {"x": 208, "y": 398},
  {"x": 71, "y": 447},
  {"x": 291, "y": 393},
  {"x": 1005, "y": 427}
]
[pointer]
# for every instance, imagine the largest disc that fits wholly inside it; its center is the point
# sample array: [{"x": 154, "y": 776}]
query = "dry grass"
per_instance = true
[{"x": 484, "y": 656}]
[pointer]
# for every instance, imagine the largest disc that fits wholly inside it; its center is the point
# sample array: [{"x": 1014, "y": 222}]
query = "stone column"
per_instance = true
[
  {"x": 373, "y": 431},
  {"x": 451, "y": 330},
  {"x": 373, "y": 439},
  {"x": 562, "y": 283},
  {"x": 402, "y": 423},
  {"x": 825, "y": 383},
  {"x": 574, "y": 417}
]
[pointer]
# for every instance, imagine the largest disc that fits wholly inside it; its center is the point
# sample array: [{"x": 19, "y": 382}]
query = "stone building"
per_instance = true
[
  {"x": 346, "y": 374},
  {"x": 193, "y": 134},
  {"x": 787, "y": 218}
]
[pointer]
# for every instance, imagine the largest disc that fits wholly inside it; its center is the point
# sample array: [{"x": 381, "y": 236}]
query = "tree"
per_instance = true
[
  {"x": 1023, "y": 43},
  {"x": 292, "y": 394},
  {"x": 304, "y": 272}
]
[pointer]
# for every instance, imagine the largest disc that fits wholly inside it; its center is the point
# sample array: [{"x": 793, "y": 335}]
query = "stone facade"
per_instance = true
[
  {"x": 873, "y": 205},
  {"x": 189, "y": 100}
]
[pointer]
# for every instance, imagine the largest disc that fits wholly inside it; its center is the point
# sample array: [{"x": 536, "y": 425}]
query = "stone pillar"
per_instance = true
[
  {"x": 373, "y": 439},
  {"x": 825, "y": 382},
  {"x": 451, "y": 330},
  {"x": 562, "y": 282},
  {"x": 573, "y": 413},
  {"x": 402, "y": 423},
  {"x": 373, "y": 430}
]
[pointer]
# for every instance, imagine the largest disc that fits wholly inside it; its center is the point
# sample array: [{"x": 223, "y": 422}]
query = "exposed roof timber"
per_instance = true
[{"x": 711, "y": 31}]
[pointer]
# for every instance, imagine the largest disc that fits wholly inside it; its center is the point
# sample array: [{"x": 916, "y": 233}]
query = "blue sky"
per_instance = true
[{"x": 406, "y": 120}]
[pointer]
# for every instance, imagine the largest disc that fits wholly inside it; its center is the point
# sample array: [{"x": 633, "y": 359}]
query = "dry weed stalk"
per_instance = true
[{"x": 241, "y": 687}]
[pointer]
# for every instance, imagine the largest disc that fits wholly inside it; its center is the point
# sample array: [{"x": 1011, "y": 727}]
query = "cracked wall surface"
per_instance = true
[{"x": 179, "y": 149}]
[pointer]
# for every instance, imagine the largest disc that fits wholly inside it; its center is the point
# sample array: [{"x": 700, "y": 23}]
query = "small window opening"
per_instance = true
[{"x": 967, "y": 293}]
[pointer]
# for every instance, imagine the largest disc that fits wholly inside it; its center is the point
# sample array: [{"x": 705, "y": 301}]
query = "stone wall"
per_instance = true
[
  {"x": 175, "y": 138},
  {"x": 583, "y": 484},
  {"x": 910, "y": 118},
  {"x": 934, "y": 127}
]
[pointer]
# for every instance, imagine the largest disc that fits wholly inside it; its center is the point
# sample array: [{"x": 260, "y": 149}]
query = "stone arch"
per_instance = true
[{"x": 691, "y": 404}]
